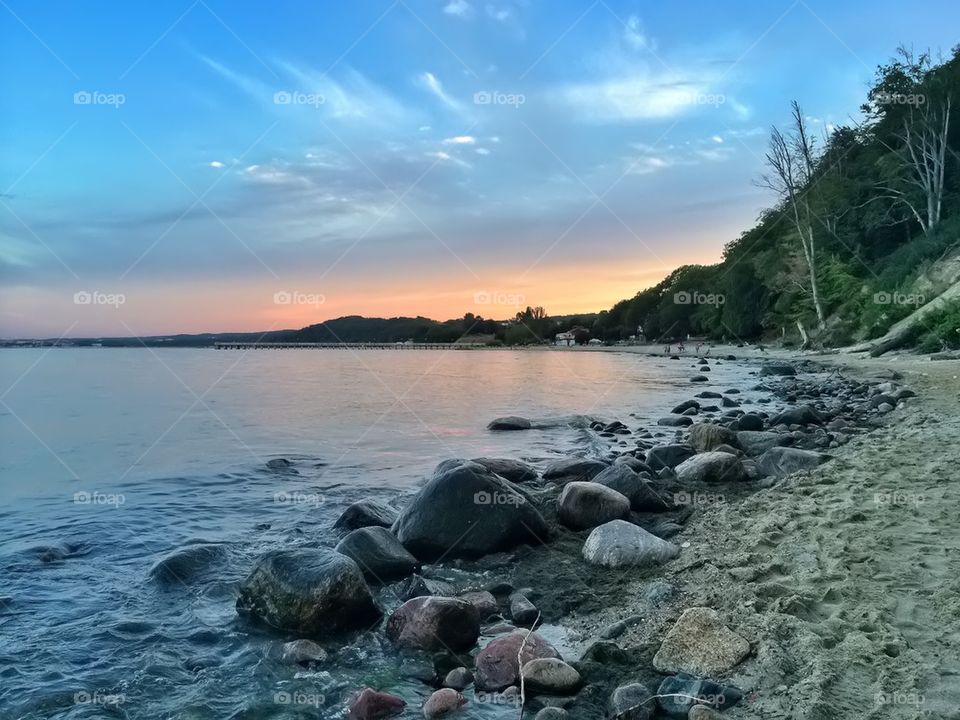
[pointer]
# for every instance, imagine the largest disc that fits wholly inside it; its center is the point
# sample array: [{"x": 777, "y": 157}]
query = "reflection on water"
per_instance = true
[{"x": 111, "y": 459}]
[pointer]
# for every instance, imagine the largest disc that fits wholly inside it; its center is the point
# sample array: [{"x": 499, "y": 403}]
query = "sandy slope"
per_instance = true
[{"x": 845, "y": 580}]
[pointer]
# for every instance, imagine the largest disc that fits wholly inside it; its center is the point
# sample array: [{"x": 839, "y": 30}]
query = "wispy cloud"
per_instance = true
[
  {"x": 458, "y": 8},
  {"x": 431, "y": 83},
  {"x": 460, "y": 140},
  {"x": 642, "y": 95}
]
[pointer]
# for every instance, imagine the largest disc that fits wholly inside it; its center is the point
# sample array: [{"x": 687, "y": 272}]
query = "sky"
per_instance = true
[{"x": 213, "y": 165}]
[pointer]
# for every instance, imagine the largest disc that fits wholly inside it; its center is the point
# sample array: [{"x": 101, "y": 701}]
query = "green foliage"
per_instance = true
[{"x": 940, "y": 330}]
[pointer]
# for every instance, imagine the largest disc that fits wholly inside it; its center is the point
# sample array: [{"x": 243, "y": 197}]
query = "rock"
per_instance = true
[
  {"x": 633, "y": 463},
  {"x": 631, "y": 702},
  {"x": 706, "y": 436},
  {"x": 700, "y": 644},
  {"x": 750, "y": 422},
  {"x": 417, "y": 586},
  {"x": 712, "y": 467},
  {"x": 513, "y": 470},
  {"x": 708, "y": 394},
  {"x": 313, "y": 592},
  {"x": 584, "y": 505},
  {"x": 777, "y": 368},
  {"x": 800, "y": 415},
  {"x": 885, "y": 407},
  {"x": 183, "y": 566},
  {"x": 702, "y": 712},
  {"x": 497, "y": 666},
  {"x": 379, "y": 554},
  {"x": 783, "y": 461},
  {"x": 619, "y": 543},
  {"x": 699, "y": 378},
  {"x": 668, "y": 456},
  {"x": 675, "y": 421},
  {"x": 640, "y": 493},
  {"x": 369, "y": 704},
  {"x": 679, "y": 693},
  {"x": 279, "y": 464},
  {"x": 485, "y": 603},
  {"x": 443, "y": 702},
  {"x": 551, "y": 713},
  {"x": 366, "y": 513},
  {"x": 756, "y": 443},
  {"x": 511, "y": 422},
  {"x": 458, "y": 678},
  {"x": 522, "y": 611},
  {"x": 729, "y": 402},
  {"x": 466, "y": 512},
  {"x": 572, "y": 469},
  {"x": 302, "y": 652},
  {"x": 684, "y": 406},
  {"x": 550, "y": 676},
  {"x": 435, "y": 623},
  {"x": 877, "y": 400}
]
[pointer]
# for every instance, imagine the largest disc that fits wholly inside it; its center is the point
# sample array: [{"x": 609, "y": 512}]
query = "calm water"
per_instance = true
[{"x": 110, "y": 459}]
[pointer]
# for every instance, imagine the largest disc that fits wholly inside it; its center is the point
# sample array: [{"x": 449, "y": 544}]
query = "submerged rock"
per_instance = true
[
  {"x": 435, "y": 623},
  {"x": 466, "y": 512},
  {"x": 366, "y": 513},
  {"x": 369, "y": 704},
  {"x": 675, "y": 421},
  {"x": 443, "y": 702},
  {"x": 584, "y": 505},
  {"x": 310, "y": 591},
  {"x": 302, "y": 652},
  {"x": 379, "y": 554},
  {"x": 497, "y": 665},
  {"x": 182, "y": 566},
  {"x": 700, "y": 644},
  {"x": 510, "y": 422},
  {"x": 619, "y": 543}
]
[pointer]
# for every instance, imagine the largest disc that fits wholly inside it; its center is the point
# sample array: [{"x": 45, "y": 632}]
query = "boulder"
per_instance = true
[
  {"x": 584, "y": 505},
  {"x": 619, "y": 543},
  {"x": 572, "y": 469},
  {"x": 699, "y": 378},
  {"x": 513, "y": 470},
  {"x": 634, "y": 463},
  {"x": 368, "y": 704},
  {"x": 777, "y": 368},
  {"x": 511, "y": 422},
  {"x": 309, "y": 591},
  {"x": 675, "y": 421},
  {"x": 466, "y": 512},
  {"x": 707, "y": 436},
  {"x": 637, "y": 489},
  {"x": 631, "y": 702},
  {"x": 443, "y": 702},
  {"x": 551, "y": 713},
  {"x": 668, "y": 456},
  {"x": 459, "y": 678},
  {"x": 712, "y": 467},
  {"x": 522, "y": 611},
  {"x": 755, "y": 442},
  {"x": 700, "y": 644},
  {"x": 302, "y": 652},
  {"x": 677, "y": 694},
  {"x": 483, "y": 601},
  {"x": 418, "y": 586},
  {"x": 183, "y": 566},
  {"x": 497, "y": 665},
  {"x": 783, "y": 461},
  {"x": 549, "y": 676},
  {"x": 684, "y": 406},
  {"x": 800, "y": 415},
  {"x": 750, "y": 422},
  {"x": 366, "y": 513},
  {"x": 435, "y": 623},
  {"x": 378, "y": 554},
  {"x": 708, "y": 394}
]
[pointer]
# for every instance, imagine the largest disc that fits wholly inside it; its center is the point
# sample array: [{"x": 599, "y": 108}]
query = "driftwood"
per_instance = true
[{"x": 901, "y": 332}]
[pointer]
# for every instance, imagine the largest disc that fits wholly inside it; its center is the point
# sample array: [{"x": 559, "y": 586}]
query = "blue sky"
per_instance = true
[{"x": 197, "y": 158}]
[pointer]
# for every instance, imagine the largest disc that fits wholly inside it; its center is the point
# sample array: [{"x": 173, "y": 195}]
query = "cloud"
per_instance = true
[
  {"x": 634, "y": 36},
  {"x": 482, "y": 151},
  {"x": 461, "y": 140},
  {"x": 432, "y": 84},
  {"x": 458, "y": 8},
  {"x": 217, "y": 164},
  {"x": 639, "y": 96}
]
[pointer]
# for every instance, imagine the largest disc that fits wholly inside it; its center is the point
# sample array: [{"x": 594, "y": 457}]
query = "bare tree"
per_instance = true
[{"x": 792, "y": 160}]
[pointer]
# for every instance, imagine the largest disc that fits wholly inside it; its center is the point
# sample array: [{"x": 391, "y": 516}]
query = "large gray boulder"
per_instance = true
[
  {"x": 712, "y": 467},
  {"x": 757, "y": 442},
  {"x": 584, "y": 505},
  {"x": 572, "y": 469},
  {"x": 800, "y": 415},
  {"x": 550, "y": 676},
  {"x": 379, "y": 555},
  {"x": 312, "y": 592},
  {"x": 668, "y": 456},
  {"x": 468, "y": 511},
  {"x": 777, "y": 368},
  {"x": 513, "y": 470},
  {"x": 707, "y": 436},
  {"x": 498, "y": 664},
  {"x": 510, "y": 422},
  {"x": 783, "y": 461},
  {"x": 636, "y": 488},
  {"x": 435, "y": 623},
  {"x": 366, "y": 513},
  {"x": 619, "y": 543}
]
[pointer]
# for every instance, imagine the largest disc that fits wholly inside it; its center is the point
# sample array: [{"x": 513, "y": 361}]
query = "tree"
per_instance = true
[{"x": 792, "y": 161}]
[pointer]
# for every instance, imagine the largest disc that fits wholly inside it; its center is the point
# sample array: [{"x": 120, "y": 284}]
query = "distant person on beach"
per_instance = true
[
  {"x": 666, "y": 349},
  {"x": 680, "y": 347},
  {"x": 698, "y": 348}
]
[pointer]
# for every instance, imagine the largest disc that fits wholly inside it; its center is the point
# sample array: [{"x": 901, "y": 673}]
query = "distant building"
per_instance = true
[
  {"x": 564, "y": 339},
  {"x": 595, "y": 341}
]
